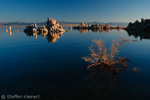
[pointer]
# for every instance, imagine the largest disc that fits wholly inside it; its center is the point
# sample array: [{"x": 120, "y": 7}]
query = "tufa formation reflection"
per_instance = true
[
  {"x": 51, "y": 36},
  {"x": 98, "y": 27},
  {"x": 95, "y": 30},
  {"x": 137, "y": 33}
]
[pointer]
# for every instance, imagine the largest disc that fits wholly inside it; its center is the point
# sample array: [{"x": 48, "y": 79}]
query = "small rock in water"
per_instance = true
[
  {"x": 134, "y": 40},
  {"x": 16, "y": 30},
  {"x": 134, "y": 69},
  {"x": 126, "y": 65},
  {"x": 6, "y": 30}
]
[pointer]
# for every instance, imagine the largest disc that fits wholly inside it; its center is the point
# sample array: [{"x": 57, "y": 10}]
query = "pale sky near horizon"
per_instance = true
[{"x": 74, "y": 10}]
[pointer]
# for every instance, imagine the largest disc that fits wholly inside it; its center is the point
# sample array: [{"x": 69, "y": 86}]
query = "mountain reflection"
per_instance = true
[{"x": 51, "y": 36}]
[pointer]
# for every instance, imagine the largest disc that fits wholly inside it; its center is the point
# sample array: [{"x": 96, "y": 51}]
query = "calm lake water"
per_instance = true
[{"x": 53, "y": 68}]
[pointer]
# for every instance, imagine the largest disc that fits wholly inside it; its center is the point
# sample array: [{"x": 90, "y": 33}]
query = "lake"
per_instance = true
[{"x": 52, "y": 66}]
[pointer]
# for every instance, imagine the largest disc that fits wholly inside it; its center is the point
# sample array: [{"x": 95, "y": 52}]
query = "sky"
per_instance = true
[{"x": 74, "y": 10}]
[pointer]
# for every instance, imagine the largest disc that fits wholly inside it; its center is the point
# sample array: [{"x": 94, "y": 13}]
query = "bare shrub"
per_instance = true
[{"x": 102, "y": 57}]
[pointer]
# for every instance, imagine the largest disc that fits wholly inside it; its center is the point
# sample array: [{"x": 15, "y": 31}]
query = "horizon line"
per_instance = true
[{"x": 67, "y": 21}]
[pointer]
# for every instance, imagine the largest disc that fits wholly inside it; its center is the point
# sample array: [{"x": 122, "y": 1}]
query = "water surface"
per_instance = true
[{"x": 53, "y": 67}]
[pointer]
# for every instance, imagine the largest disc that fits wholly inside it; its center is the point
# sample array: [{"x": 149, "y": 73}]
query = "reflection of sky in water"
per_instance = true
[{"x": 56, "y": 70}]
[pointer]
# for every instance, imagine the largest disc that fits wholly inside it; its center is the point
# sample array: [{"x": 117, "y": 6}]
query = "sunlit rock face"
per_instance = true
[
  {"x": 51, "y": 26},
  {"x": 54, "y": 26}
]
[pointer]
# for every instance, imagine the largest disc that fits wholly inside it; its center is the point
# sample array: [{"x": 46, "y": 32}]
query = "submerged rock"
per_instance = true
[
  {"x": 16, "y": 30},
  {"x": 6, "y": 30}
]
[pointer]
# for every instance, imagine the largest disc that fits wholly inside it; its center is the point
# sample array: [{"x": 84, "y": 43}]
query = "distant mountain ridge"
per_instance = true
[{"x": 61, "y": 22}]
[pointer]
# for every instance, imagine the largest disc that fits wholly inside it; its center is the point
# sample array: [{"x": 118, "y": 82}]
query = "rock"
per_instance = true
[
  {"x": 10, "y": 28},
  {"x": 134, "y": 69},
  {"x": 144, "y": 25},
  {"x": 42, "y": 29},
  {"x": 16, "y": 30},
  {"x": 31, "y": 28},
  {"x": 51, "y": 26},
  {"x": 6, "y": 30},
  {"x": 99, "y": 27},
  {"x": 54, "y": 26}
]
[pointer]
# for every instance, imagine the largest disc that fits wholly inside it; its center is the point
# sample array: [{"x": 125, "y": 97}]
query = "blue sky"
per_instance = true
[{"x": 74, "y": 10}]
